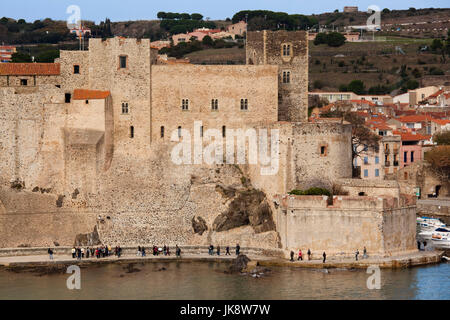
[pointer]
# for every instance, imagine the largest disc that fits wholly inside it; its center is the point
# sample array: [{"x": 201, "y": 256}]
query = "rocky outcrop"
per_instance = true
[
  {"x": 249, "y": 207},
  {"x": 239, "y": 264},
  {"x": 88, "y": 239},
  {"x": 199, "y": 225}
]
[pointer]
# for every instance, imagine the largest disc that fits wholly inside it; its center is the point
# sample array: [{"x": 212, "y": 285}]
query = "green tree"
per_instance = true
[
  {"x": 161, "y": 15},
  {"x": 321, "y": 38},
  {"x": 208, "y": 41},
  {"x": 20, "y": 57},
  {"x": 442, "y": 138},
  {"x": 356, "y": 86},
  {"x": 196, "y": 16}
]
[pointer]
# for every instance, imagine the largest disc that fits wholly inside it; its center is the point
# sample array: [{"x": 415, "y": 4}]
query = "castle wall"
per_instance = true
[
  {"x": 201, "y": 84},
  {"x": 32, "y": 81},
  {"x": 289, "y": 51},
  {"x": 308, "y": 166},
  {"x": 70, "y": 80},
  {"x": 130, "y": 85},
  {"x": 381, "y": 225}
]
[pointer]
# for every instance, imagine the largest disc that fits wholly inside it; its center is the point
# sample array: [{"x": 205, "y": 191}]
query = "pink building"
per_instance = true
[{"x": 411, "y": 148}]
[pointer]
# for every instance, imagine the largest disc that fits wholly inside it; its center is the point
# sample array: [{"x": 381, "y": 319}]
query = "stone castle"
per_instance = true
[{"x": 86, "y": 143}]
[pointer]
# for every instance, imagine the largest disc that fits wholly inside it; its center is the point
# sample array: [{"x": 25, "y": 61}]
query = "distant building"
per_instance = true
[
  {"x": 83, "y": 32},
  {"x": 6, "y": 53},
  {"x": 159, "y": 44},
  {"x": 238, "y": 28},
  {"x": 350, "y": 9}
]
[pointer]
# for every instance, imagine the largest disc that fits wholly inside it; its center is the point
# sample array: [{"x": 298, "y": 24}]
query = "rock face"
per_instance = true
[
  {"x": 88, "y": 239},
  {"x": 239, "y": 264},
  {"x": 249, "y": 207},
  {"x": 199, "y": 225}
]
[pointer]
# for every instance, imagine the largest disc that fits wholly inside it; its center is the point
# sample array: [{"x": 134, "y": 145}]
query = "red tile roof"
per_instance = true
[
  {"x": 408, "y": 136},
  {"x": 436, "y": 94},
  {"x": 29, "y": 69},
  {"x": 364, "y": 102},
  {"x": 442, "y": 122},
  {"x": 82, "y": 94},
  {"x": 415, "y": 118}
]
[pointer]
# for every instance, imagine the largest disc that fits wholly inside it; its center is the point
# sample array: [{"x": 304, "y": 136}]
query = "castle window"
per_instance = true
[
  {"x": 322, "y": 150},
  {"x": 76, "y": 69},
  {"x": 244, "y": 104},
  {"x": 201, "y": 131},
  {"x": 286, "y": 49},
  {"x": 131, "y": 132},
  {"x": 87, "y": 101},
  {"x": 162, "y": 131},
  {"x": 179, "y": 132},
  {"x": 67, "y": 97},
  {"x": 23, "y": 82},
  {"x": 124, "y": 107},
  {"x": 185, "y": 104},
  {"x": 224, "y": 131},
  {"x": 286, "y": 76},
  {"x": 123, "y": 62},
  {"x": 214, "y": 104}
]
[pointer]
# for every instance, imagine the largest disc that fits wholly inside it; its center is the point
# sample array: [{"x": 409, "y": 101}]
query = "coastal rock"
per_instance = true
[
  {"x": 249, "y": 207},
  {"x": 88, "y": 239},
  {"x": 239, "y": 264}
]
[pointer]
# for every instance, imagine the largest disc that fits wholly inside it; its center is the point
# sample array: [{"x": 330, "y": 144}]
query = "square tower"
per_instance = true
[{"x": 288, "y": 50}]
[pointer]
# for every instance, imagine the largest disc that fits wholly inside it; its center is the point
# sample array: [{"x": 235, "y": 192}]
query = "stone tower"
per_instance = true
[{"x": 288, "y": 50}]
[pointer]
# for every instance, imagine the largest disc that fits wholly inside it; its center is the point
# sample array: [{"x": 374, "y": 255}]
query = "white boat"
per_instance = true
[
  {"x": 429, "y": 224},
  {"x": 427, "y": 234},
  {"x": 440, "y": 238}
]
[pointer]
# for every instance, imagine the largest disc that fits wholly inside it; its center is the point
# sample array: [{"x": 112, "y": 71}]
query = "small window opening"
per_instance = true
[
  {"x": 179, "y": 132},
  {"x": 87, "y": 101},
  {"x": 162, "y": 131},
  {"x": 67, "y": 97},
  {"x": 244, "y": 104},
  {"x": 185, "y": 104},
  {"x": 23, "y": 82},
  {"x": 131, "y": 132},
  {"x": 224, "y": 131},
  {"x": 76, "y": 69},
  {"x": 123, "y": 62},
  {"x": 124, "y": 107},
  {"x": 361, "y": 194}
]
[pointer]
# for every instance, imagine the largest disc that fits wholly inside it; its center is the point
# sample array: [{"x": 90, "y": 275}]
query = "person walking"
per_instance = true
[
  {"x": 218, "y": 250},
  {"x": 82, "y": 252},
  {"x": 119, "y": 251},
  {"x": 178, "y": 251},
  {"x": 227, "y": 253},
  {"x": 300, "y": 255},
  {"x": 292, "y": 256},
  {"x": 309, "y": 254},
  {"x": 50, "y": 253},
  {"x": 238, "y": 249},
  {"x": 165, "y": 250},
  {"x": 324, "y": 257},
  {"x": 139, "y": 251},
  {"x": 87, "y": 252},
  {"x": 356, "y": 254},
  {"x": 365, "y": 253},
  {"x": 168, "y": 251},
  {"x": 73, "y": 252}
]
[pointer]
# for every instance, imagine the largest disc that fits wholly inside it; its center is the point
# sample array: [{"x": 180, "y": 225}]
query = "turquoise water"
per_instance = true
[{"x": 206, "y": 280}]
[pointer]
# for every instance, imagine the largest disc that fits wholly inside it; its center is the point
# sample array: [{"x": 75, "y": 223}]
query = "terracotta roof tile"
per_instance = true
[
  {"x": 29, "y": 69},
  {"x": 82, "y": 94}
]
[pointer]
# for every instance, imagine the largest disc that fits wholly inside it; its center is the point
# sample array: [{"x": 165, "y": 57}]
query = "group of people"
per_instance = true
[
  {"x": 99, "y": 252},
  {"x": 227, "y": 250},
  {"x": 157, "y": 251},
  {"x": 324, "y": 255}
]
